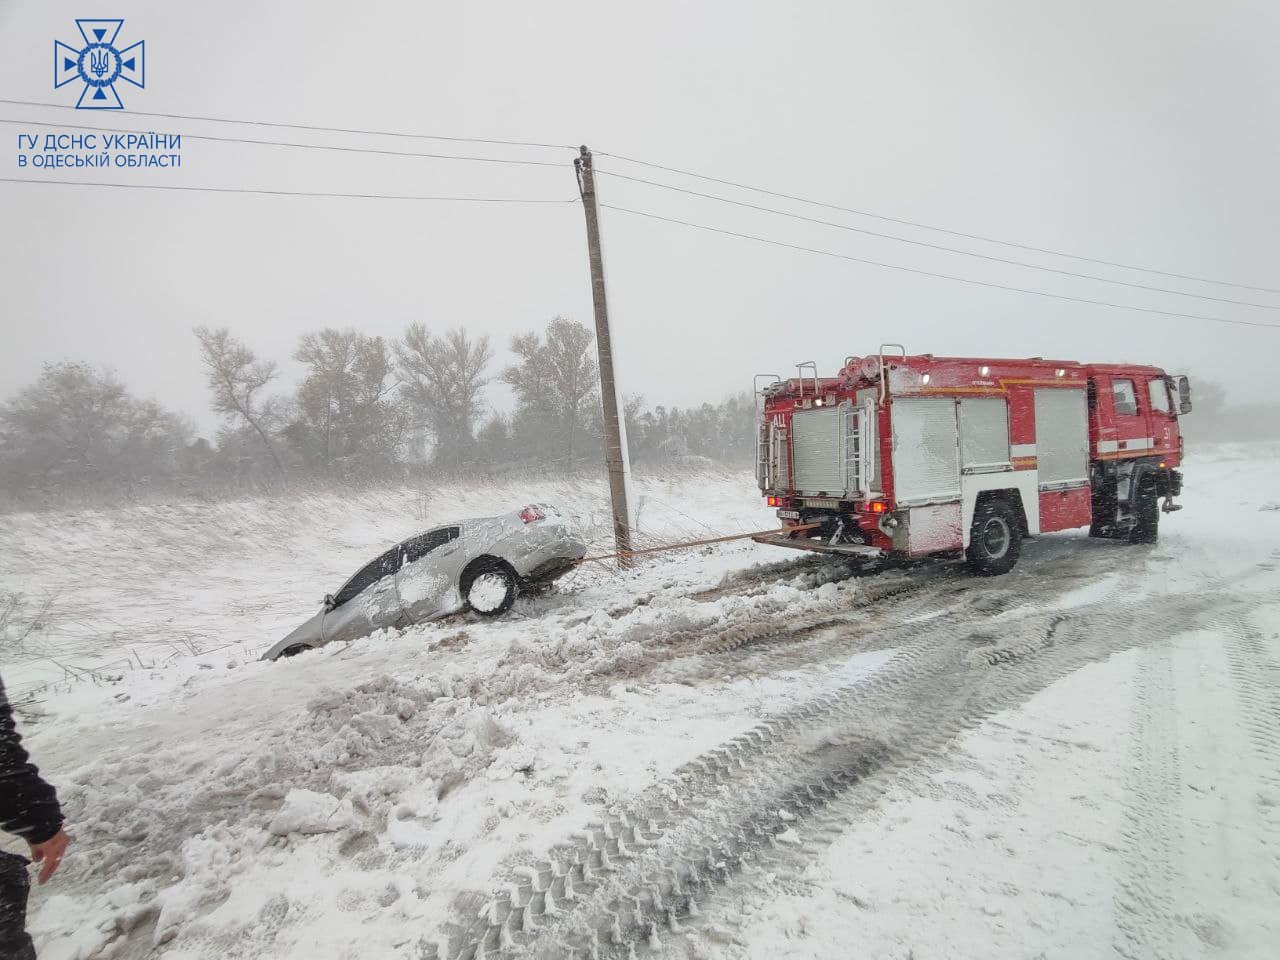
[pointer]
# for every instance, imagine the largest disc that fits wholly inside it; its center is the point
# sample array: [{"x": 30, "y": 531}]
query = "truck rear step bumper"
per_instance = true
[{"x": 818, "y": 546}]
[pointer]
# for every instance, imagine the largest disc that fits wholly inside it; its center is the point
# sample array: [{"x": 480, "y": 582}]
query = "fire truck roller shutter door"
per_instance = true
[
  {"x": 1062, "y": 436},
  {"x": 926, "y": 450},
  {"x": 1062, "y": 454},
  {"x": 984, "y": 434},
  {"x": 926, "y": 469},
  {"x": 818, "y": 450}
]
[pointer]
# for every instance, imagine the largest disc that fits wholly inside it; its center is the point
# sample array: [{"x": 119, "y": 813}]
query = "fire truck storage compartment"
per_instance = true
[
  {"x": 819, "y": 455},
  {"x": 1062, "y": 457},
  {"x": 934, "y": 527},
  {"x": 926, "y": 473},
  {"x": 926, "y": 450},
  {"x": 984, "y": 434}
]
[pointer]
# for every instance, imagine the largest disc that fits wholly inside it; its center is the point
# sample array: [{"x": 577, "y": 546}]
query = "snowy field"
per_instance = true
[{"x": 727, "y": 752}]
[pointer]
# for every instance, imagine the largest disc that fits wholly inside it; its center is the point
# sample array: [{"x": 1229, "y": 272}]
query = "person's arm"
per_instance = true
[{"x": 28, "y": 805}]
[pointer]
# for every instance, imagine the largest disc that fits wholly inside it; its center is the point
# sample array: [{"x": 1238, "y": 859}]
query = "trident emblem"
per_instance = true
[{"x": 98, "y": 63}]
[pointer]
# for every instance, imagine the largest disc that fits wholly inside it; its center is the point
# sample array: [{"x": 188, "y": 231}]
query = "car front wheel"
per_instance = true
[{"x": 492, "y": 591}]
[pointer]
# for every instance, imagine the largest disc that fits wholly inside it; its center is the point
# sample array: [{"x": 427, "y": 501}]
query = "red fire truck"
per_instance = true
[{"x": 918, "y": 455}]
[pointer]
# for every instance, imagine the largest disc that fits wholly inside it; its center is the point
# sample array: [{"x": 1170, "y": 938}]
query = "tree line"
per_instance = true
[{"x": 366, "y": 408}]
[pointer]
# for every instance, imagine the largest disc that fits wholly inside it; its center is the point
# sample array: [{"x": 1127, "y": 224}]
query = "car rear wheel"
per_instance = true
[
  {"x": 293, "y": 651},
  {"x": 492, "y": 590}
]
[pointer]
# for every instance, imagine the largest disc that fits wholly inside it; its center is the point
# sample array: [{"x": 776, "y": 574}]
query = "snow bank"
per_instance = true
[
  {"x": 305, "y": 811},
  {"x": 351, "y": 801}
]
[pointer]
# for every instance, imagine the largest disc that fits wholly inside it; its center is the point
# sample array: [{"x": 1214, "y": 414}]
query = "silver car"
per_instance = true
[{"x": 478, "y": 565}]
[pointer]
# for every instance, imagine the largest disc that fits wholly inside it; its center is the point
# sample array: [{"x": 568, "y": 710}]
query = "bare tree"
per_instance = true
[
  {"x": 344, "y": 408},
  {"x": 79, "y": 426},
  {"x": 555, "y": 380},
  {"x": 442, "y": 379},
  {"x": 236, "y": 379}
]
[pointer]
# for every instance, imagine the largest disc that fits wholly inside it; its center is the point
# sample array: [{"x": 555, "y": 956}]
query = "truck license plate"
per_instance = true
[{"x": 789, "y": 514}]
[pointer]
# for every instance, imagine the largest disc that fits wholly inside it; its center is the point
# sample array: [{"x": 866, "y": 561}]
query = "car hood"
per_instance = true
[{"x": 308, "y": 633}]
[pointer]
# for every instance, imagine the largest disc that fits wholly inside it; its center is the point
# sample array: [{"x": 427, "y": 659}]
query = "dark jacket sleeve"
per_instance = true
[{"x": 28, "y": 805}]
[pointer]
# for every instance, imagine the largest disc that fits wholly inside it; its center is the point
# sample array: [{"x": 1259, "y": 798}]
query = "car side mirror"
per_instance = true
[
  {"x": 1184, "y": 394},
  {"x": 328, "y": 602}
]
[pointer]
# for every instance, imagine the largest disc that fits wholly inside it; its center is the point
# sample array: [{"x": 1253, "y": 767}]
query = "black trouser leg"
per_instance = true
[{"x": 15, "y": 944}]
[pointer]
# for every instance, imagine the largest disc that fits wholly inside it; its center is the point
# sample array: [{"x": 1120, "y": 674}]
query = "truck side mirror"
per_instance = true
[
  {"x": 1184, "y": 394},
  {"x": 328, "y": 602}
]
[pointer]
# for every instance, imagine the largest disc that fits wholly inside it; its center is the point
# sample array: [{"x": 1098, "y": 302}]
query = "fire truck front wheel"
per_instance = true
[
  {"x": 1146, "y": 514},
  {"x": 995, "y": 539}
]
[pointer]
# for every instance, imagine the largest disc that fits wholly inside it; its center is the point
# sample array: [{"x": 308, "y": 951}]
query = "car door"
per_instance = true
[
  {"x": 365, "y": 603},
  {"x": 427, "y": 581}
]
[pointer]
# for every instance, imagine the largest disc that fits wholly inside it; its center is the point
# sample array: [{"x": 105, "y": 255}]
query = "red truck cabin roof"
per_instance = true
[
  {"x": 925, "y": 373},
  {"x": 929, "y": 374}
]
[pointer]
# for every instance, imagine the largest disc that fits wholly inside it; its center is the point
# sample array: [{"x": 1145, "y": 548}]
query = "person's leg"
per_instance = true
[{"x": 15, "y": 883}]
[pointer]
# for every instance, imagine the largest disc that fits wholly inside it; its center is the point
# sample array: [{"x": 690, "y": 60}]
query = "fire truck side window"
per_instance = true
[
  {"x": 1126, "y": 400},
  {"x": 1159, "y": 396}
]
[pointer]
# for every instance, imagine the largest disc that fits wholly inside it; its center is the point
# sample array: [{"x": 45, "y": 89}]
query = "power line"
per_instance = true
[
  {"x": 303, "y": 146},
  {"x": 936, "y": 246},
  {"x": 941, "y": 276},
  {"x": 283, "y": 193},
  {"x": 925, "y": 226},
  {"x": 308, "y": 126}
]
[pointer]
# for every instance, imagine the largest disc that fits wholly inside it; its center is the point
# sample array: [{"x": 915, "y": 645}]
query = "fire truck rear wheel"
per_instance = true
[
  {"x": 1146, "y": 527},
  {"x": 995, "y": 540}
]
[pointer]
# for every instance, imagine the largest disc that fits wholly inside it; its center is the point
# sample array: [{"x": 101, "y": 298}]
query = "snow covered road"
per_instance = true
[{"x": 727, "y": 753}]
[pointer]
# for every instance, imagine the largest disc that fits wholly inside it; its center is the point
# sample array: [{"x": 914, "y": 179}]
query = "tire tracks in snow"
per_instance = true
[
  {"x": 1144, "y": 904},
  {"x": 1255, "y": 676},
  {"x": 1147, "y": 904},
  {"x": 648, "y": 866},
  {"x": 900, "y": 603}
]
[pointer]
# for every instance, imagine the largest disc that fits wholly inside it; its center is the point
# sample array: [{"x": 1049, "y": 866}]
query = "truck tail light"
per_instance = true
[
  {"x": 532, "y": 514},
  {"x": 774, "y": 501},
  {"x": 877, "y": 506}
]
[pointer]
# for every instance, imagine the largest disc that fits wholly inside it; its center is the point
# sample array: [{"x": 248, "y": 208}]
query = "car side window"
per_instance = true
[
  {"x": 418, "y": 547},
  {"x": 1159, "y": 393},
  {"x": 384, "y": 566},
  {"x": 1126, "y": 400}
]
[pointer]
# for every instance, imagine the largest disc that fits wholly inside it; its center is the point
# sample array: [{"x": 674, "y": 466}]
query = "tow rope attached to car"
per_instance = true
[{"x": 695, "y": 543}]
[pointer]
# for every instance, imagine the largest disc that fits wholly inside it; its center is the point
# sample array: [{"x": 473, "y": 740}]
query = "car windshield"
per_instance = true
[{"x": 383, "y": 566}]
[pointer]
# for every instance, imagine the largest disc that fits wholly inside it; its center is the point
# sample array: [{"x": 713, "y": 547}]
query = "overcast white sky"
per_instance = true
[{"x": 1144, "y": 132}]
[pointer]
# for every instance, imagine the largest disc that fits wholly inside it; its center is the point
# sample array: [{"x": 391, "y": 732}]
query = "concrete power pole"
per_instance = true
[{"x": 615, "y": 428}]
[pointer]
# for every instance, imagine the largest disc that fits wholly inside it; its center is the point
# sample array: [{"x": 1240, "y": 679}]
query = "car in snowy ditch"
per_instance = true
[{"x": 479, "y": 565}]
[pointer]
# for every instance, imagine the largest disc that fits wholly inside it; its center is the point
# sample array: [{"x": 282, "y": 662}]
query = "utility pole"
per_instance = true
[{"x": 615, "y": 428}]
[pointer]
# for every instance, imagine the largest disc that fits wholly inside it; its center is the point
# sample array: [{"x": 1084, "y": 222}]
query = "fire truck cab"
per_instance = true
[{"x": 919, "y": 455}]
